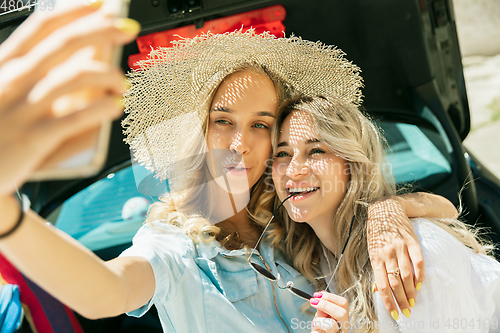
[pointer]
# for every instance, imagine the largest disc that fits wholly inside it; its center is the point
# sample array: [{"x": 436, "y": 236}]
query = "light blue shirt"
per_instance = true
[{"x": 203, "y": 287}]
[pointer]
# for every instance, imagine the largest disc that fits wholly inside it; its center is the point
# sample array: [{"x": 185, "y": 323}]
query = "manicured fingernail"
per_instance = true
[
  {"x": 314, "y": 301},
  {"x": 95, "y": 3},
  {"x": 394, "y": 315},
  {"x": 406, "y": 312},
  {"x": 128, "y": 26},
  {"x": 412, "y": 302},
  {"x": 119, "y": 102},
  {"x": 317, "y": 295},
  {"x": 418, "y": 286},
  {"x": 374, "y": 288}
]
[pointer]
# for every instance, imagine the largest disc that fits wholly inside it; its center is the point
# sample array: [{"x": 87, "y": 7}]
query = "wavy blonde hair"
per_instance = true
[
  {"x": 187, "y": 205},
  {"x": 351, "y": 135}
]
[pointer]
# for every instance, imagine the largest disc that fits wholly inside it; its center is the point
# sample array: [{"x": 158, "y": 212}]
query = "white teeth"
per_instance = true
[{"x": 302, "y": 189}]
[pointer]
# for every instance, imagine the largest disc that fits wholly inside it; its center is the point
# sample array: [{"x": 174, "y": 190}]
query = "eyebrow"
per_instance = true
[
  {"x": 259, "y": 114},
  {"x": 308, "y": 142}
]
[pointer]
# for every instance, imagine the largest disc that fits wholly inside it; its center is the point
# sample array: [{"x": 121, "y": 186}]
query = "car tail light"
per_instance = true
[{"x": 264, "y": 19}]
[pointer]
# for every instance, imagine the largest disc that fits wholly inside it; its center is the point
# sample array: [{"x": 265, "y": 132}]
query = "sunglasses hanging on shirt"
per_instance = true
[{"x": 259, "y": 265}]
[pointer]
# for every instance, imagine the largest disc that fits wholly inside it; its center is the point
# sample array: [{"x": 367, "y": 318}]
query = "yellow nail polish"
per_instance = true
[
  {"x": 374, "y": 287},
  {"x": 128, "y": 26},
  {"x": 394, "y": 315},
  {"x": 95, "y": 3},
  {"x": 418, "y": 286},
  {"x": 412, "y": 302},
  {"x": 406, "y": 312}
]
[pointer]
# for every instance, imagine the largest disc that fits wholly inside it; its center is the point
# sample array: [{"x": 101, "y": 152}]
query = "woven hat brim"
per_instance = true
[{"x": 163, "y": 104}]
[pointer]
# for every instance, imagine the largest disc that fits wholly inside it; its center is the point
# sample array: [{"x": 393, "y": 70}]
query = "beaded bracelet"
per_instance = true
[{"x": 20, "y": 198}]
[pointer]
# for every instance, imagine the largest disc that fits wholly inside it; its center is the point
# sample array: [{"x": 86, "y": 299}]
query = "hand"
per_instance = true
[
  {"x": 392, "y": 244},
  {"x": 36, "y": 70},
  {"x": 332, "y": 314}
]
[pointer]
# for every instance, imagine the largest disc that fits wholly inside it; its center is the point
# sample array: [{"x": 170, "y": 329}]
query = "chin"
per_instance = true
[
  {"x": 296, "y": 215},
  {"x": 237, "y": 185}
]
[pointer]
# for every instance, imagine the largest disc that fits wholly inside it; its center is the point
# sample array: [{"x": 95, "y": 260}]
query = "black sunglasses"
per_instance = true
[{"x": 254, "y": 257}]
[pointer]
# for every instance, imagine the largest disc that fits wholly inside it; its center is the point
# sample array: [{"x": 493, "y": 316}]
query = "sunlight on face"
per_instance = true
[
  {"x": 305, "y": 165},
  {"x": 239, "y": 131}
]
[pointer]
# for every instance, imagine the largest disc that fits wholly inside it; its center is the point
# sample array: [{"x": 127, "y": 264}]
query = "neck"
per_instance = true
[
  {"x": 234, "y": 217},
  {"x": 323, "y": 230},
  {"x": 241, "y": 224},
  {"x": 228, "y": 204}
]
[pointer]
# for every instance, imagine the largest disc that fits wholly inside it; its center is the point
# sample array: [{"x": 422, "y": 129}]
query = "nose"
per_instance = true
[
  {"x": 239, "y": 144},
  {"x": 298, "y": 167}
]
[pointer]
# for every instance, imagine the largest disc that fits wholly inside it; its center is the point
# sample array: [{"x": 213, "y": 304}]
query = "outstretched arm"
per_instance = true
[
  {"x": 69, "y": 271},
  {"x": 393, "y": 245},
  {"x": 30, "y": 133}
]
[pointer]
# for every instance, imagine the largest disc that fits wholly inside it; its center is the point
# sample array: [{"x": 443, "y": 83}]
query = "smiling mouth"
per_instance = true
[{"x": 301, "y": 190}]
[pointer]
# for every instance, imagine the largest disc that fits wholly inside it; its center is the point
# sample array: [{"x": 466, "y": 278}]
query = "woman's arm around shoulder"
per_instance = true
[
  {"x": 393, "y": 245},
  {"x": 460, "y": 289}
]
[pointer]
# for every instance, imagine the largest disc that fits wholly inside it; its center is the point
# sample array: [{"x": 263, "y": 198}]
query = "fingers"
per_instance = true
[
  {"x": 94, "y": 30},
  {"x": 408, "y": 285},
  {"x": 331, "y": 306},
  {"x": 38, "y": 26},
  {"x": 31, "y": 146},
  {"x": 398, "y": 291},
  {"x": 41, "y": 64},
  {"x": 101, "y": 77},
  {"x": 383, "y": 286},
  {"x": 333, "y": 299},
  {"x": 417, "y": 260},
  {"x": 323, "y": 322},
  {"x": 392, "y": 244},
  {"x": 326, "y": 325},
  {"x": 24, "y": 72},
  {"x": 60, "y": 129}
]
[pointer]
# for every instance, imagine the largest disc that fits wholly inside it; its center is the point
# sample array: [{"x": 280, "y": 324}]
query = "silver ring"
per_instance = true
[{"x": 394, "y": 272}]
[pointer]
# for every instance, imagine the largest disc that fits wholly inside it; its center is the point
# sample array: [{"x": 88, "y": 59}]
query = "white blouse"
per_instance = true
[{"x": 460, "y": 293}]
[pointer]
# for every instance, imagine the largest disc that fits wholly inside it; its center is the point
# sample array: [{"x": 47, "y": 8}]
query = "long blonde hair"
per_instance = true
[
  {"x": 187, "y": 205},
  {"x": 351, "y": 135}
]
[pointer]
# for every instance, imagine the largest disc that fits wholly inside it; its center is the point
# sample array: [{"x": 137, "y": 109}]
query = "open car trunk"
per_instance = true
[
  {"x": 414, "y": 88},
  {"x": 408, "y": 52}
]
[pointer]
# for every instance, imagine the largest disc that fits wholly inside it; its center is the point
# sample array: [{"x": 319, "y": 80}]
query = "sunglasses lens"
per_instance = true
[
  {"x": 263, "y": 271},
  {"x": 301, "y": 293}
]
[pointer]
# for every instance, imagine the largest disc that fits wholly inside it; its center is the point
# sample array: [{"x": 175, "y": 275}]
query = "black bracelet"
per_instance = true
[{"x": 19, "y": 198}]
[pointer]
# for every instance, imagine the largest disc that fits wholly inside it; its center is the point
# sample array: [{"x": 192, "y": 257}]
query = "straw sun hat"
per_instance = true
[{"x": 166, "y": 103}]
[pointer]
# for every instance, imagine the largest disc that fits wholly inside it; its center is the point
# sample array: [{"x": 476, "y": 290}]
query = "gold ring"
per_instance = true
[{"x": 394, "y": 272}]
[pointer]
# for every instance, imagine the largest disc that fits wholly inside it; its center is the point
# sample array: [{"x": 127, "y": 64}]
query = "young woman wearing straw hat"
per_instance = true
[
  {"x": 327, "y": 144},
  {"x": 200, "y": 115}
]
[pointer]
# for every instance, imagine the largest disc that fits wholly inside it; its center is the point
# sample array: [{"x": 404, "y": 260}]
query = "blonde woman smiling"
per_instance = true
[{"x": 329, "y": 156}]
